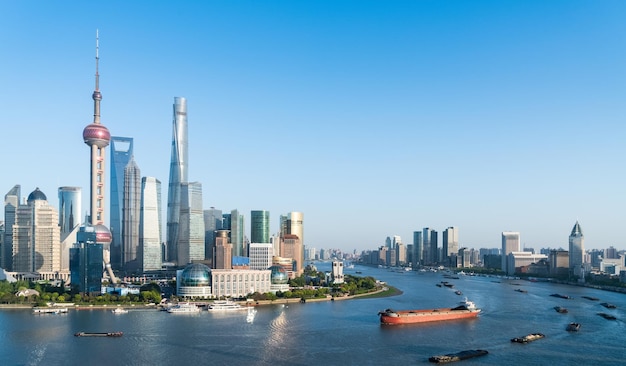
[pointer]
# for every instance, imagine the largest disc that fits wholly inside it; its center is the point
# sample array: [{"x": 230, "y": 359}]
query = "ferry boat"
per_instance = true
[
  {"x": 183, "y": 307},
  {"x": 119, "y": 311},
  {"x": 49, "y": 310},
  {"x": 466, "y": 309},
  {"x": 225, "y": 305}
]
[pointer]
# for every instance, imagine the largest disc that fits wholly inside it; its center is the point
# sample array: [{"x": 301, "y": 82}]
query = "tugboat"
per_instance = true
[
  {"x": 573, "y": 327},
  {"x": 528, "y": 338}
]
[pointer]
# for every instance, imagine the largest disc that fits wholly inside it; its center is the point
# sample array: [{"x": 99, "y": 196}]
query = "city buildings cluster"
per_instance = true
[
  {"x": 511, "y": 258},
  {"x": 39, "y": 242}
]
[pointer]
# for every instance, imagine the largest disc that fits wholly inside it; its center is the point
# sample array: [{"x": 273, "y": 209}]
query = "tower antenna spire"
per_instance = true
[{"x": 97, "y": 96}]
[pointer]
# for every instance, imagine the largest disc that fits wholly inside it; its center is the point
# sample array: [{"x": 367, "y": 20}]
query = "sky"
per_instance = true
[{"x": 373, "y": 118}]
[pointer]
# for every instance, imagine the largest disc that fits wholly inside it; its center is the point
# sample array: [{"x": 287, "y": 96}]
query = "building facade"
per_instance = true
[
  {"x": 121, "y": 153},
  {"x": 576, "y": 250},
  {"x": 11, "y": 201},
  {"x": 212, "y": 222},
  {"x": 178, "y": 175},
  {"x": 510, "y": 244},
  {"x": 191, "y": 224},
  {"x": 131, "y": 215},
  {"x": 261, "y": 255},
  {"x": 259, "y": 226},
  {"x": 237, "y": 233},
  {"x": 150, "y": 224},
  {"x": 70, "y": 209}
]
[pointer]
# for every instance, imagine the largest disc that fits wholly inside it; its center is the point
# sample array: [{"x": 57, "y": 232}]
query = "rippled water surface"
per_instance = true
[{"x": 336, "y": 333}]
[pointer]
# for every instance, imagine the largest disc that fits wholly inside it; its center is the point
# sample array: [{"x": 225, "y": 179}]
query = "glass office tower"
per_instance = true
[
  {"x": 130, "y": 218},
  {"x": 191, "y": 224},
  {"x": 121, "y": 152},
  {"x": 259, "y": 226},
  {"x": 150, "y": 224},
  {"x": 178, "y": 175},
  {"x": 69, "y": 209}
]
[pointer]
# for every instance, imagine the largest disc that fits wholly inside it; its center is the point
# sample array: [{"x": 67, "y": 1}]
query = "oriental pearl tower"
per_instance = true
[{"x": 97, "y": 137}]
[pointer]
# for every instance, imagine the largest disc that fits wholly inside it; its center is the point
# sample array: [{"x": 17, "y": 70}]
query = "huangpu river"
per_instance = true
[{"x": 336, "y": 332}]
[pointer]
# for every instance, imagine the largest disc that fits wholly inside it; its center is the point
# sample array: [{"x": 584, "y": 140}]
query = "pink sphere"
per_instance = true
[{"x": 96, "y": 134}]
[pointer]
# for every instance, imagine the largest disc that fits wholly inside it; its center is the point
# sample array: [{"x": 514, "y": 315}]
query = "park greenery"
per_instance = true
[{"x": 48, "y": 293}]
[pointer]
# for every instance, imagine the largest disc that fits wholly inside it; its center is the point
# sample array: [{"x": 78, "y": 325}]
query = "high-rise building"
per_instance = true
[
  {"x": 450, "y": 243},
  {"x": 510, "y": 244},
  {"x": 261, "y": 255},
  {"x": 131, "y": 210},
  {"x": 11, "y": 201},
  {"x": 150, "y": 224},
  {"x": 178, "y": 175},
  {"x": 69, "y": 209},
  {"x": 237, "y": 233},
  {"x": 576, "y": 250},
  {"x": 418, "y": 248},
  {"x": 191, "y": 224},
  {"x": 97, "y": 137},
  {"x": 260, "y": 227},
  {"x": 223, "y": 252},
  {"x": 291, "y": 247},
  {"x": 36, "y": 236},
  {"x": 295, "y": 226},
  {"x": 212, "y": 222},
  {"x": 121, "y": 153},
  {"x": 430, "y": 245},
  {"x": 86, "y": 259}
]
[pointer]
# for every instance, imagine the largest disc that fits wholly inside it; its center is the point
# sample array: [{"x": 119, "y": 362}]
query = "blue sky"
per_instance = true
[{"x": 374, "y": 118}]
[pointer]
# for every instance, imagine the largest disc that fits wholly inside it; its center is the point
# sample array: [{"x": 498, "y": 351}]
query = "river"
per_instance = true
[{"x": 337, "y": 332}]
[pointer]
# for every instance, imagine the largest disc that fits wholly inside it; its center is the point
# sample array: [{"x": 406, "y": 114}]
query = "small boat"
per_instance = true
[
  {"x": 458, "y": 292},
  {"x": 358, "y": 272},
  {"x": 528, "y": 338},
  {"x": 466, "y": 309},
  {"x": 119, "y": 311},
  {"x": 561, "y": 296},
  {"x": 225, "y": 305},
  {"x": 102, "y": 334},
  {"x": 607, "y": 316},
  {"x": 453, "y": 357},
  {"x": 573, "y": 327},
  {"x": 608, "y": 305},
  {"x": 438, "y": 285},
  {"x": 520, "y": 290},
  {"x": 560, "y": 309},
  {"x": 591, "y": 298},
  {"x": 447, "y": 284}
]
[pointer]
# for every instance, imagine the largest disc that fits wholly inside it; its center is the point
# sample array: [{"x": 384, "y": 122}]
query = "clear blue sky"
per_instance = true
[{"x": 374, "y": 118}]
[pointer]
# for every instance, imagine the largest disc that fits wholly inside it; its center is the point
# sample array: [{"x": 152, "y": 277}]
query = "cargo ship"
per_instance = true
[{"x": 466, "y": 309}]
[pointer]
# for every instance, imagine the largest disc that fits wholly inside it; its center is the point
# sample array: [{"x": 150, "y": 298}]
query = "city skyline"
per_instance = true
[{"x": 494, "y": 117}]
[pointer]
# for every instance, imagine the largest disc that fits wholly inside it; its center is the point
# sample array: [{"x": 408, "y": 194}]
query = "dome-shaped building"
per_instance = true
[
  {"x": 36, "y": 195},
  {"x": 194, "y": 281},
  {"x": 279, "y": 279}
]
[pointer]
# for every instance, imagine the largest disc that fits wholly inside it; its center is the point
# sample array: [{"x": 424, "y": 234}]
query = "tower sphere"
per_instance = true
[
  {"x": 103, "y": 235},
  {"x": 96, "y": 134}
]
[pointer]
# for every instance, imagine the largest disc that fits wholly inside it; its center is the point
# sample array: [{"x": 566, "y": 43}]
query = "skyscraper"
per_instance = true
[
  {"x": 11, "y": 201},
  {"x": 191, "y": 224},
  {"x": 86, "y": 259},
  {"x": 97, "y": 137},
  {"x": 295, "y": 226},
  {"x": 150, "y": 224},
  {"x": 260, "y": 227},
  {"x": 418, "y": 248},
  {"x": 450, "y": 243},
  {"x": 430, "y": 256},
  {"x": 212, "y": 222},
  {"x": 178, "y": 175},
  {"x": 131, "y": 209},
  {"x": 36, "y": 236},
  {"x": 121, "y": 152},
  {"x": 510, "y": 243},
  {"x": 576, "y": 250},
  {"x": 237, "y": 233},
  {"x": 69, "y": 209}
]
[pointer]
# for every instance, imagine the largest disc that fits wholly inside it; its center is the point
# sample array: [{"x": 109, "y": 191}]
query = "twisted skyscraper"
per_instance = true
[{"x": 178, "y": 175}]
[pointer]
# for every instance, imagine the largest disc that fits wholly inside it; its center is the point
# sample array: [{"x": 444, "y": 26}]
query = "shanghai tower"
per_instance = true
[{"x": 178, "y": 175}]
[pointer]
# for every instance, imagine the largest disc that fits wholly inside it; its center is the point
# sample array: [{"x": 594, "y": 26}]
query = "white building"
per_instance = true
[
  {"x": 150, "y": 237},
  {"x": 521, "y": 259},
  {"x": 510, "y": 244},
  {"x": 260, "y": 255},
  {"x": 337, "y": 273}
]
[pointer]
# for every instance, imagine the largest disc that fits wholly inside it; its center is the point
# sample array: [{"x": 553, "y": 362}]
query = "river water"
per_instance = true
[{"x": 338, "y": 332}]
